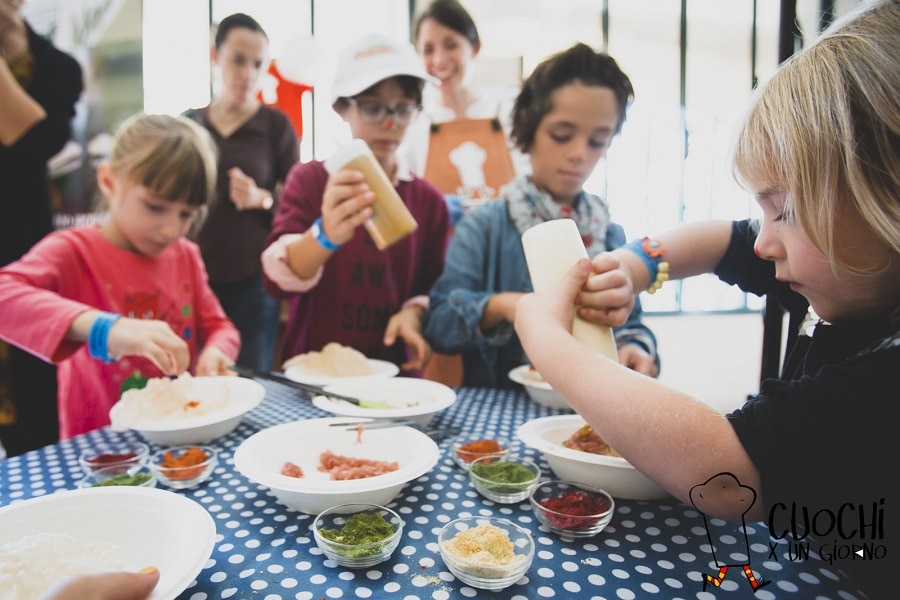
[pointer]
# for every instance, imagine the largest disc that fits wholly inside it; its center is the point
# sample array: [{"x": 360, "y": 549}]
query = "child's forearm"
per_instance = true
[
  {"x": 671, "y": 437},
  {"x": 306, "y": 255},
  {"x": 501, "y": 308},
  {"x": 691, "y": 249},
  {"x": 81, "y": 326}
]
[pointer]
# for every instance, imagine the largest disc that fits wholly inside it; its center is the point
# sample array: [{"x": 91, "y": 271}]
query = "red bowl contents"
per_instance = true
[{"x": 571, "y": 508}]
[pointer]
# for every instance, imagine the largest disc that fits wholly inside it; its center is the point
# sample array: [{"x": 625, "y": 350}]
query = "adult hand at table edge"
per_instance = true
[{"x": 118, "y": 585}]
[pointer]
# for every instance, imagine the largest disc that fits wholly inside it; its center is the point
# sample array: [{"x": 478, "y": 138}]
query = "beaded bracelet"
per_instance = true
[
  {"x": 319, "y": 234},
  {"x": 98, "y": 336},
  {"x": 651, "y": 252}
]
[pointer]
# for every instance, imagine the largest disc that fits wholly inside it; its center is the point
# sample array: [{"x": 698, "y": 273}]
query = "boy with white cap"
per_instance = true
[{"x": 340, "y": 286}]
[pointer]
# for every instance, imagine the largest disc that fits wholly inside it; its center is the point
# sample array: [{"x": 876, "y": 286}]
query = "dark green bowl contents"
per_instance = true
[
  {"x": 503, "y": 477},
  {"x": 364, "y": 530},
  {"x": 125, "y": 479}
]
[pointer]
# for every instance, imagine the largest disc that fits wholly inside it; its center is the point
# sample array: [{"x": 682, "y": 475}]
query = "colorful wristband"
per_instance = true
[
  {"x": 98, "y": 336},
  {"x": 651, "y": 252},
  {"x": 319, "y": 234}
]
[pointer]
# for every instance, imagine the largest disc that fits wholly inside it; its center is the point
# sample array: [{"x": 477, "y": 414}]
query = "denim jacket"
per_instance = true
[{"x": 485, "y": 257}]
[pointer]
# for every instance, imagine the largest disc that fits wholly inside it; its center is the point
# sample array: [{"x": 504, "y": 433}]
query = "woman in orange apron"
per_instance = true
[{"x": 459, "y": 143}]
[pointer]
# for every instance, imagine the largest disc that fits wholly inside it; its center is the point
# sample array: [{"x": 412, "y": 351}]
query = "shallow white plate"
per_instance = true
[
  {"x": 261, "y": 457},
  {"x": 611, "y": 473},
  {"x": 383, "y": 370},
  {"x": 243, "y": 395},
  {"x": 153, "y": 527},
  {"x": 427, "y": 396}
]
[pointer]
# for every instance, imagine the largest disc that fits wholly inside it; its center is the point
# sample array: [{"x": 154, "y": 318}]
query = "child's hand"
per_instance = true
[
  {"x": 535, "y": 313},
  {"x": 637, "y": 359},
  {"x": 114, "y": 585},
  {"x": 607, "y": 297},
  {"x": 346, "y": 204},
  {"x": 212, "y": 361},
  {"x": 407, "y": 325},
  {"x": 151, "y": 339}
]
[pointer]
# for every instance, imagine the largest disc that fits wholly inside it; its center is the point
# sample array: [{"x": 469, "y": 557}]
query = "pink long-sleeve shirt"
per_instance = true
[{"x": 71, "y": 271}]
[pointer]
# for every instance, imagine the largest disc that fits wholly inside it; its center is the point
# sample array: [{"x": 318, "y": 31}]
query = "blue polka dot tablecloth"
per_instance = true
[{"x": 651, "y": 549}]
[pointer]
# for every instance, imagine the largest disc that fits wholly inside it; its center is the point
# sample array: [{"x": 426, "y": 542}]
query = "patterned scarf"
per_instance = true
[{"x": 529, "y": 206}]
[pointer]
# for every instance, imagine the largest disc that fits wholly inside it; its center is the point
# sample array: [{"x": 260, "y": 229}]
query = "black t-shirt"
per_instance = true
[
  {"x": 826, "y": 436},
  {"x": 25, "y": 212}
]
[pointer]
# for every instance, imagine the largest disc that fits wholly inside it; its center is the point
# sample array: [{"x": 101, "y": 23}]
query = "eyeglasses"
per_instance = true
[{"x": 374, "y": 112}]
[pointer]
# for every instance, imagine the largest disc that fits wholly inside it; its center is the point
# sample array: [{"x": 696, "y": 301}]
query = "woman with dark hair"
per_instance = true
[
  {"x": 567, "y": 114},
  {"x": 460, "y": 142},
  {"x": 257, "y": 147}
]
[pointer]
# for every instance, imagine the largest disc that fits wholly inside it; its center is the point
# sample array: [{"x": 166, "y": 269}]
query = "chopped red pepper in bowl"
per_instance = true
[
  {"x": 467, "y": 449},
  {"x": 184, "y": 466},
  {"x": 572, "y": 509}
]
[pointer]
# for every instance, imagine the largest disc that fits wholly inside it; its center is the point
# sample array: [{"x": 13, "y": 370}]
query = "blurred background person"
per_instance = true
[
  {"x": 257, "y": 147},
  {"x": 459, "y": 143},
  {"x": 39, "y": 87}
]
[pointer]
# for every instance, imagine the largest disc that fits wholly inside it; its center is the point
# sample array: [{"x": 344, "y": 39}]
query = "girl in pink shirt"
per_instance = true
[{"x": 127, "y": 300}]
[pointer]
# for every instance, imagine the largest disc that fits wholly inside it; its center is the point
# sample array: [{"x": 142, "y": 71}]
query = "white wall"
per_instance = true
[{"x": 714, "y": 357}]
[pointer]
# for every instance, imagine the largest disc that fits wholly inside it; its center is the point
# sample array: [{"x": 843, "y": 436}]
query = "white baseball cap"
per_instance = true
[{"x": 371, "y": 59}]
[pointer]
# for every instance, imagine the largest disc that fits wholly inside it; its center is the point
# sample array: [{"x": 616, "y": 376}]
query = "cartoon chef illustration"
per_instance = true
[{"x": 716, "y": 487}]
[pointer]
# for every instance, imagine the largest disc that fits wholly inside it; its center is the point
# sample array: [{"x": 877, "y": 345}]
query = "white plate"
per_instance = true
[
  {"x": 261, "y": 457},
  {"x": 611, "y": 473},
  {"x": 152, "y": 527},
  {"x": 383, "y": 370},
  {"x": 539, "y": 390},
  {"x": 430, "y": 396},
  {"x": 243, "y": 396}
]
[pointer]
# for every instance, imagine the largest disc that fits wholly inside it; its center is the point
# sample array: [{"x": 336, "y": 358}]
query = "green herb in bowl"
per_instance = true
[
  {"x": 504, "y": 480},
  {"x": 358, "y": 535}
]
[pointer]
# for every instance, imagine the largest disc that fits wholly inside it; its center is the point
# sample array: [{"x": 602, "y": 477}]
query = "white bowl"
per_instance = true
[
  {"x": 149, "y": 526},
  {"x": 611, "y": 473},
  {"x": 261, "y": 458},
  {"x": 418, "y": 399},
  {"x": 241, "y": 395},
  {"x": 539, "y": 390}
]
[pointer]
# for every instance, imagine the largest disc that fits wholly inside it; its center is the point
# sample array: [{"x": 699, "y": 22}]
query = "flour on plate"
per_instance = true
[
  {"x": 165, "y": 400},
  {"x": 30, "y": 566},
  {"x": 335, "y": 360}
]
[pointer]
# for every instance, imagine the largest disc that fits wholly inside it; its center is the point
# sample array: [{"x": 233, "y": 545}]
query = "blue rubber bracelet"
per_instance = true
[
  {"x": 651, "y": 253},
  {"x": 636, "y": 247},
  {"x": 319, "y": 234},
  {"x": 98, "y": 336}
]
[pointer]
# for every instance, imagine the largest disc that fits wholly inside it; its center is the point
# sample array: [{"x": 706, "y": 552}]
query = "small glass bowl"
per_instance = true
[
  {"x": 502, "y": 492},
  {"x": 487, "y": 577},
  {"x": 576, "y": 494},
  {"x": 464, "y": 458},
  {"x": 356, "y": 555},
  {"x": 180, "y": 478},
  {"x": 123, "y": 455},
  {"x": 135, "y": 475}
]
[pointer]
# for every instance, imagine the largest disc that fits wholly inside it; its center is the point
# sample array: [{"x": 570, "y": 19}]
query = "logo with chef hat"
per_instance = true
[{"x": 715, "y": 491}]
